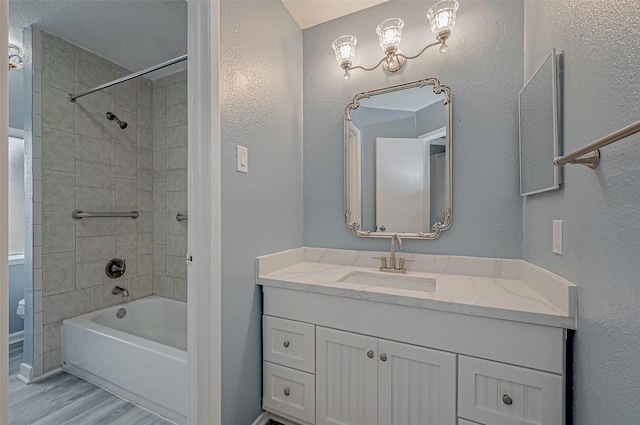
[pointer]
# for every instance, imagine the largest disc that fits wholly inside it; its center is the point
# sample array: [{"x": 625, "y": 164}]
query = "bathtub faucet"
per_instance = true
[{"x": 118, "y": 290}]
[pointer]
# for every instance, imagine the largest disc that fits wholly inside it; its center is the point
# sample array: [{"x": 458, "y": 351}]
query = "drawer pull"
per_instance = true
[
  {"x": 383, "y": 357},
  {"x": 287, "y": 391},
  {"x": 507, "y": 400},
  {"x": 286, "y": 344},
  {"x": 370, "y": 354}
]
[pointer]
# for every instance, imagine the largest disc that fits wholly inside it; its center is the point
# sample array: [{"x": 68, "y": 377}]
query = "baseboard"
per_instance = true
[
  {"x": 263, "y": 419},
  {"x": 16, "y": 337},
  {"x": 26, "y": 374}
]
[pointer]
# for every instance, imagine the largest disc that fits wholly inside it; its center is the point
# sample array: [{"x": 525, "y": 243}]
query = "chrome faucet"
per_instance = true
[
  {"x": 392, "y": 258},
  {"x": 119, "y": 290},
  {"x": 392, "y": 267}
]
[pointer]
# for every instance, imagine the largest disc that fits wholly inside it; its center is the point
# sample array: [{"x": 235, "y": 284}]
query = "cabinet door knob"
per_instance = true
[
  {"x": 286, "y": 344},
  {"x": 507, "y": 400},
  {"x": 383, "y": 357},
  {"x": 370, "y": 354},
  {"x": 287, "y": 391}
]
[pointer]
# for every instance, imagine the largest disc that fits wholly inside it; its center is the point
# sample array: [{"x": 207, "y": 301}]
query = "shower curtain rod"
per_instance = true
[{"x": 72, "y": 98}]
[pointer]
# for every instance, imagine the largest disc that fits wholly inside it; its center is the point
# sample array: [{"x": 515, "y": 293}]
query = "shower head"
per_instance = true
[{"x": 111, "y": 116}]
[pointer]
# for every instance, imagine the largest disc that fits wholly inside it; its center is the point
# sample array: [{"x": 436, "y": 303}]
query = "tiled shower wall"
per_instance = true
[
  {"x": 170, "y": 186},
  {"x": 88, "y": 163}
]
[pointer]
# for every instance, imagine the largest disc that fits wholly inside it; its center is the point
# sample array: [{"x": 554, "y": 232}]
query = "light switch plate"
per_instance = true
[
  {"x": 557, "y": 236},
  {"x": 242, "y": 159}
]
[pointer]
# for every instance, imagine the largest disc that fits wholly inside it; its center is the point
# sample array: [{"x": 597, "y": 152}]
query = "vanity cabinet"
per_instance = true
[
  {"x": 333, "y": 360},
  {"x": 363, "y": 380}
]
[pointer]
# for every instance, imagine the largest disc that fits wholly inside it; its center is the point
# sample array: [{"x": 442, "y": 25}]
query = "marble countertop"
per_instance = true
[{"x": 503, "y": 289}]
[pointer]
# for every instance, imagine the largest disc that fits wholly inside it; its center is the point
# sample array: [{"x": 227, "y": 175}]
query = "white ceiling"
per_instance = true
[
  {"x": 308, "y": 13},
  {"x": 135, "y": 34},
  {"x": 138, "y": 34}
]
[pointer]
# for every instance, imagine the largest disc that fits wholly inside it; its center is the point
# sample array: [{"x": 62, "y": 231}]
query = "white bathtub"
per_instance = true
[{"x": 141, "y": 357}]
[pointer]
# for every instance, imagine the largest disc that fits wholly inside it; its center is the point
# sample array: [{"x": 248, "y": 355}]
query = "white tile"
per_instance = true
[
  {"x": 159, "y": 103},
  {"x": 91, "y": 274},
  {"x": 176, "y": 114},
  {"x": 159, "y": 259},
  {"x": 37, "y": 125},
  {"x": 58, "y": 63},
  {"x": 126, "y": 161},
  {"x": 52, "y": 336},
  {"x": 58, "y": 191},
  {"x": 37, "y": 59},
  {"x": 176, "y": 180},
  {"x": 91, "y": 174},
  {"x": 37, "y": 235},
  {"x": 95, "y": 199},
  {"x": 126, "y": 231},
  {"x": 37, "y": 80},
  {"x": 177, "y": 245},
  {"x": 177, "y": 266},
  {"x": 37, "y": 257},
  {"x": 37, "y": 279},
  {"x": 101, "y": 296},
  {"x": 94, "y": 150},
  {"x": 37, "y": 191},
  {"x": 52, "y": 360},
  {"x": 141, "y": 286},
  {"x": 38, "y": 365},
  {"x": 160, "y": 165},
  {"x": 145, "y": 244},
  {"x": 62, "y": 306},
  {"x": 176, "y": 93},
  {"x": 57, "y": 111},
  {"x": 177, "y": 136},
  {"x": 176, "y": 158},
  {"x": 38, "y": 344},
  {"x": 159, "y": 134},
  {"x": 59, "y": 273},
  {"x": 101, "y": 248},
  {"x": 37, "y": 301},
  {"x": 163, "y": 286},
  {"x": 126, "y": 195},
  {"x": 38, "y": 327},
  {"x": 37, "y": 147},
  {"x": 145, "y": 264},
  {"x": 130, "y": 255},
  {"x": 37, "y": 213},
  {"x": 37, "y": 103},
  {"x": 37, "y": 169},
  {"x": 180, "y": 289},
  {"x": 58, "y": 150},
  {"x": 59, "y": 232}
]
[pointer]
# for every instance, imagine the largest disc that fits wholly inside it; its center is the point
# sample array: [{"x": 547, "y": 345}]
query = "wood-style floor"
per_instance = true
[{"x": 64, "y": 399}]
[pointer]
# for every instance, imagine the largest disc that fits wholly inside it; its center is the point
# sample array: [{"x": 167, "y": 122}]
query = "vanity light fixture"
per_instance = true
[
  {"x": 442, "y": 18},
  {"x": 15, "y": 57}
]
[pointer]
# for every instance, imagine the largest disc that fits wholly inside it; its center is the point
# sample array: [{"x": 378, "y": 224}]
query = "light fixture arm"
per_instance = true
[
  {"x": 421, "y": 51},
  {"x": 348, "y": 68}
]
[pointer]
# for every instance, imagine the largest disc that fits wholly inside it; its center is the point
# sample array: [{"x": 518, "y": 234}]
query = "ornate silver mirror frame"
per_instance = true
[{"x": 352, "y": 180}]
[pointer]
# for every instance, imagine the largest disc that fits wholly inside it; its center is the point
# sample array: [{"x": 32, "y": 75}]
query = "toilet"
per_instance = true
[{"x": 20, "y": 310}]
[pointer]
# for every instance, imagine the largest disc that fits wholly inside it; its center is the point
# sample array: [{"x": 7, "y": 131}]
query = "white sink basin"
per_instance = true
[{"x": 390, "y": 280}]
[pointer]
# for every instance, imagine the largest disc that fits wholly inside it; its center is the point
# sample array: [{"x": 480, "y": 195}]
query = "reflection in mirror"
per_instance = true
[
  {"x": 539, "y": 130},
  {"x": 398, "y": 161}
]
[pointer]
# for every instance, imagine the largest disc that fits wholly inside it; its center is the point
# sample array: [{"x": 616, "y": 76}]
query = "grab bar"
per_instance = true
[
  {"x": 182, "y": 217},
  {"x": 77, "y": 214},
  {"x": 577, "y": 157}
]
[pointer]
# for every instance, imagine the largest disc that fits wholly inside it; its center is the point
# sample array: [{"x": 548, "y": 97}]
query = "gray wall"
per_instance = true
[
  {"x": 599, "y": 208},
  {"x": 16, "y": 293},
  {"x": 261, "y": 108},
  {"x": 483, "y": 66},
  {"x": 431, "y": 118},
  {"x": 16, "y": 98}
]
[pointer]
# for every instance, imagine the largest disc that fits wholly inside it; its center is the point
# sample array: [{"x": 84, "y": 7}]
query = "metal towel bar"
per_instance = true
[
  {"x": 182, "y": 217},
  {"x": 77, "y": 215},
  {"x": 593, "y": 160}
]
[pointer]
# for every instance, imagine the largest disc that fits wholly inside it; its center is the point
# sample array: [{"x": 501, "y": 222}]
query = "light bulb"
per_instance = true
[
  {"x": 442, "y": 18},
  {"x": 390, "y": 33},
  {"x": 345, "y": 49}
]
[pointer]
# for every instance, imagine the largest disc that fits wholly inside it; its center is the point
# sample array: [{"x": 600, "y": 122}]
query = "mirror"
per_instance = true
[
  {"x": 539, "y": 130},
  {"x": 398, "y": 161}
]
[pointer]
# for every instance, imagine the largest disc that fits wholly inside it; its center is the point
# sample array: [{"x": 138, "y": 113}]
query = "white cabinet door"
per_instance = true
[
  {"x": 417, "y": 386},
  {"x": 346, "y": 378}
]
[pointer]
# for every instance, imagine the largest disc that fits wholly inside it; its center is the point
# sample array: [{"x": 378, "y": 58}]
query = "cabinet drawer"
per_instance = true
[
  {"x": 289, "y": 343},
  {"x": 289, "y": 392},
  {"x": 499, "y": 394}
]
